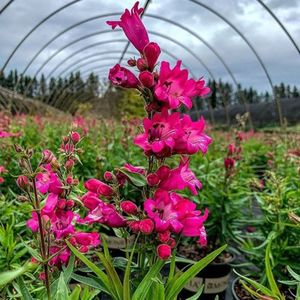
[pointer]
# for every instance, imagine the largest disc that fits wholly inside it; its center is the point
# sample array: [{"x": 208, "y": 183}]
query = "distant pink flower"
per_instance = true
[
  {"x": 194, "y": 139},
  {"x": 98, "y": 187},
  {"x": 174, "y": 88},
  {"x": 133, "y": 27},
  {"x": 2, "y": 169},
  {"x": 123, "y": 77},
  {"x": 181, "y": 178},
  {"x": 159, "y": 134}
]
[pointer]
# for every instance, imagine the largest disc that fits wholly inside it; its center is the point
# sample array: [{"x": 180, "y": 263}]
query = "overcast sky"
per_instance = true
[{"x": 277, "y": 52}]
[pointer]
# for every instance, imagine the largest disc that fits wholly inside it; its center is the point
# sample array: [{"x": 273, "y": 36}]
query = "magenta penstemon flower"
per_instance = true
[
  {"x": 174, "y": 88},
  {"x": 133, "y": 27}
]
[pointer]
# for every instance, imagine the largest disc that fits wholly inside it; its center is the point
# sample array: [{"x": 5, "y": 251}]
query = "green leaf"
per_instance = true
[
  {"x": 137, "y": 179},
  {"x": 293, "y": 274},
  {"x": 176, "y": 285},
  {"x": 269, "y": 273},
  {"x": 91, "y": 281},
  {"x": 8, "y": 276},
  {"x": 112, "y": 274},
  {"x": 102, "y": 276},
  {"x": 23, "y": 289},
  {"x": 68, "y": 271},
  {"x": 197, "y": 295},
  {"x": 62, "y": 289},
  {"x": 76, "y": 293},
  {"x": 144, "y": 286},
  {"x": 255, "y": 284}
]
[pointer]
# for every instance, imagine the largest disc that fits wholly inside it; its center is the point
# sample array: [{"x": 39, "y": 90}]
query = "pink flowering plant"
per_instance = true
[
  {"x": 68, "y": 222},
  {"x": 152, "y": 224}
]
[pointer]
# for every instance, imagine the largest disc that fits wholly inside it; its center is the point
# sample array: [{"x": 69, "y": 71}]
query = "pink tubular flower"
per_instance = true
[
  {"x": 133, "y": 27},
  {"x": 180, "y": 178},
  {"x": 194, "y": 139},
  {"x": 159, "y": 134},
  {"x": 90, "y": 200},
  {"x": 87, "y": 238},
  {"x": 121, "y": 76},
  {"x": 174, "y": 88},
  {"x": 48, "y": 182},
  {"x": 105, "y": 214},
  {"x": 98, "y": 187},
  {"x": 163, "y": 251}
]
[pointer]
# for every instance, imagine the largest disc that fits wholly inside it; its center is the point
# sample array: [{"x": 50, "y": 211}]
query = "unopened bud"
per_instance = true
[
  {"x": 22, "y": 198},
  {"x": 22, "y": 182},
  {"x": 75, "y": 137},
  {"x": 48, "y": 157},
  {"x": 131, "y": 62},
  {"x": 69, "y": 164},
  {"x": 18, "y": 148},
  {"x": 141, "y": 64},
  {"x": 108, "y": 176}
]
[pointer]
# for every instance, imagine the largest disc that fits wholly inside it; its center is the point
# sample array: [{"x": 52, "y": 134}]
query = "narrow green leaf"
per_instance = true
[
  {"x": 8, "y": 276},
  {"x": 91, "y": 281},
  {"x": 68, "y": 271},
  {"x": 102, "y": 276},
  {"x": 176, "y": 285},
  {"x": 269, "y": 273},
  {"x": 23, "y": 289},
  {"x": 198, "y": 294},
  {"x": 62, "y": 289},
  {"x": 137, "y": 179},
  {"x": 172, "y": 267},
  {"x": 144, "y": 286},
  {"x": 293, "y": 273},
  {"x": 255, "y": 284},
  {"x": 112, "y": 275},
  {"x": 76, "y": 293}
]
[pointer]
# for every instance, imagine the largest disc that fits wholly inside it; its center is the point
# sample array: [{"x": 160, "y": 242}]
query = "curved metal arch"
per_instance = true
[
  {"x": 251, "y": 48},
  {"x": 85, "y": 58},
  {"x": 6, "y": 6},
  {"x": 77, "y": 68},
  {"x": 33, "y": 29},
  {"x": 124, "y": 40},
  {"x": 266, "y": 7}
]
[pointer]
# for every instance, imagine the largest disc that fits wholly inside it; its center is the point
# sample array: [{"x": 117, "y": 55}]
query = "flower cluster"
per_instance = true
[
  {"x": 2, "y": 170},
  {"x": 161, "y": 214},
  {"x": 55, "y": 219}
]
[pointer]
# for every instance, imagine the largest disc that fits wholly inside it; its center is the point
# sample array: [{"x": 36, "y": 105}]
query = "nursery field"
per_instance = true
[{"x": 250, "y": 187}]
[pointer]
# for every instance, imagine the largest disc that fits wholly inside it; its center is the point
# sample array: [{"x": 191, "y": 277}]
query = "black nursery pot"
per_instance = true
[
  {"x": 215, "y": 278},
  {"x": 234, "y": 295}
]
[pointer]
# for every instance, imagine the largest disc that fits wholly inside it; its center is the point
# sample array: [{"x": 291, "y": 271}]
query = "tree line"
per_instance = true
[{"x": 73, "y": 87}]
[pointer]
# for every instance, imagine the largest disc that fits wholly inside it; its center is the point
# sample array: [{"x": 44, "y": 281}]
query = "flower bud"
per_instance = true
[
  {"x": 231, "y": 149},
  {"x": 75, "y": 137},
  {"x": 69, "y": 164},
  {"x": 61, "y": 203},
  {"x": 141, "y": 64},
  {"x": 172, "y": 243},
  {"x": 75, "y": 181},
  {"x": 65, "y": 139},
  {"x": 131, "y": 62},
  {"x": 48, "y": 157},
  {"x": 22, "y": 182},
  {"x": 164, "y": 236},
  {"x": 70, "y": 203},
  {"x": 129, "y": 207},
  {"x": 134, "y": 226},
  {"x": 146, "y": 226},
  {"x": 151, "y": 53},
  {"x": 69, "y": 180},
  {"x": 229, "y": 163},
  {"x": 163, "y": 251},
  {"x": 147, "y": 79},
  {"x": 18, "y": 148},
  {"x": 108, "y": 176},
  {"x": 22, "y": 199},
  {"x": 152, "y": 179}
]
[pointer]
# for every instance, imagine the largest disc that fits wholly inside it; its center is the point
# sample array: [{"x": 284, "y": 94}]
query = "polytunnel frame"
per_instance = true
[
  {"x": 93, "y": 68},
  {"x": 157, "y": 34},
  {"x": 113, "y": 14},
  {"x": 147, "y": 2}
]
